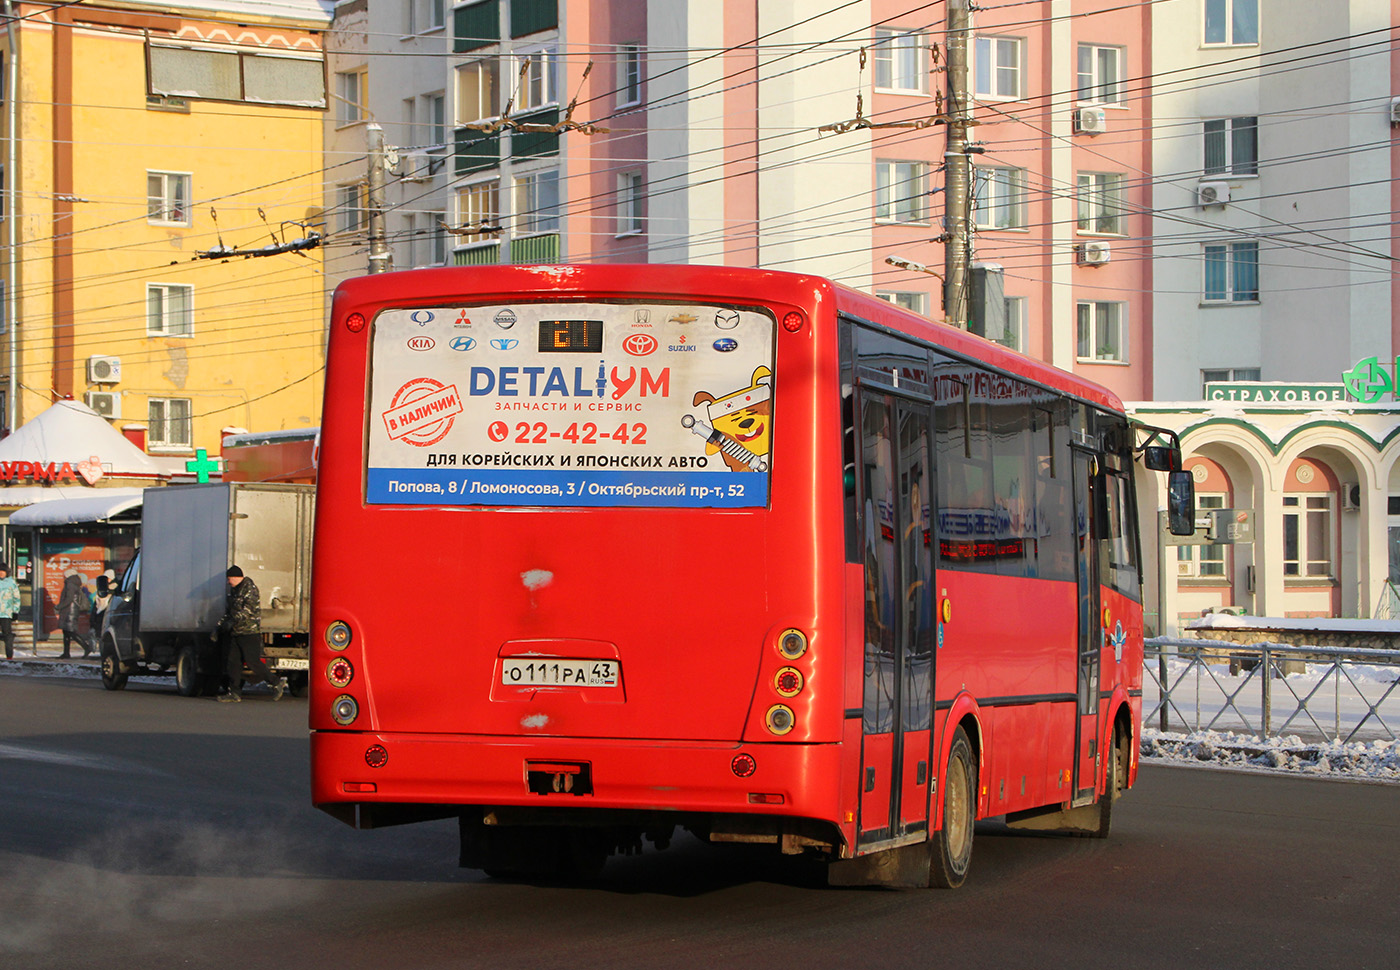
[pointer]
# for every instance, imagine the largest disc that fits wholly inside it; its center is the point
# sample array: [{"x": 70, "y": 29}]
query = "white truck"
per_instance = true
[{"x": 172, "y": 594}]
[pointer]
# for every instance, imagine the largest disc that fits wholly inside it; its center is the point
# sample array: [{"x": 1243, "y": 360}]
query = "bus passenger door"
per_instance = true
[
  {"x": 897, "y": 710},
  {"x": 1088, "y": 494}
]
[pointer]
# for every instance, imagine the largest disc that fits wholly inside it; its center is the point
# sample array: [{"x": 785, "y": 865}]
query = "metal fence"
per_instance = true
[{"x": 1270, "y": 689}]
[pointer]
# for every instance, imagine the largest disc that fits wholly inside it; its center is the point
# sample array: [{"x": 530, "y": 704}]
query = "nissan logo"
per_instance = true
[
  {"x": 421, "y": 343},
  {"x": 639, "y": 344}
]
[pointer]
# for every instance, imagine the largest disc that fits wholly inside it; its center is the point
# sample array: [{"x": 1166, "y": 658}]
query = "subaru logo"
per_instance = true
[
  {"x": 502, "y": 344},
  {"x": 462, "y": 343},
  {"x": 421, "y": 317},
  {"x": 725, "y": 344}
]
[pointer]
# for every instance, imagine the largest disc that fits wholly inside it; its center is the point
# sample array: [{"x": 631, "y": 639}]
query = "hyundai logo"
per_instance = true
[
  {"x": 503, "y": 344},
  {"x": 725, "y": 344},
  {"x": 462, "y": 343}
]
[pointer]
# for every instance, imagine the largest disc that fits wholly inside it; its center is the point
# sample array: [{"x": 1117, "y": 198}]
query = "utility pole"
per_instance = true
[
  {"x": 381, "y": 257},
  {"x": 957, "y": 171}
]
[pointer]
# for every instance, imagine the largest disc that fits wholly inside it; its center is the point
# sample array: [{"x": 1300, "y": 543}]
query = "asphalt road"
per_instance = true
[{"x": 141, "y": 829}]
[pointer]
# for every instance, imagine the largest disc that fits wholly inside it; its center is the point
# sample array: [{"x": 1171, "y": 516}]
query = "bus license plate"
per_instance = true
[
  {"x": 553, "y": 672},
  {"x": 293, "y": 663}
]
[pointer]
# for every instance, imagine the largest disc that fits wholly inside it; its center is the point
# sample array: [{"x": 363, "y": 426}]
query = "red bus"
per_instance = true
[{"x": 746, "y": 553}]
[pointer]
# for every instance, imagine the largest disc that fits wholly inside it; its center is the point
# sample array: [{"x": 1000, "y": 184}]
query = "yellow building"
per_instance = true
[{"x": 148, "y": 140}]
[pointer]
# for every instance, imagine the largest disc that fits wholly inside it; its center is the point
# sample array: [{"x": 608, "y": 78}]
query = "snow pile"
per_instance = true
[{"x": 1373, "y": 760}]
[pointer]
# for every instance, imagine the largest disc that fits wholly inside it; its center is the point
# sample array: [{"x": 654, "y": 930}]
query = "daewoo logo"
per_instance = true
[
  {"x": 421, "y": 343},
  {"x": 639, "y": 344}
]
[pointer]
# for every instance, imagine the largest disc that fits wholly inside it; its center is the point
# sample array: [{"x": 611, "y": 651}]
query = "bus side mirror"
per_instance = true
[
  {"x": 1159, "y": 458},
  {"x": 1181, "y": 503}
]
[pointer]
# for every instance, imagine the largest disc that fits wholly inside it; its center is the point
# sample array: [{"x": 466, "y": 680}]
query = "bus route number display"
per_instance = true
[{"x": 571, "y": 404}]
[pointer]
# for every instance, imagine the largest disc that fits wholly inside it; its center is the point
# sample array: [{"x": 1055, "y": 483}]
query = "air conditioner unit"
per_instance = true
[
  {"x": 1092, "y": 253},
  {"x": 1351, "y": 497},
  {"x": 106, "y": 403},
  {"x": 104, "y": 370},
  {"x": 415, "y": 166},
  {"x": 1395, "y": 112},
  {"x": 1212, "y": 193},
  {"x": 1090, "y": 121}
]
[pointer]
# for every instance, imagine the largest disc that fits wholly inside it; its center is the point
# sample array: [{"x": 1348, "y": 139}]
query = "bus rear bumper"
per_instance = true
[{"x": 366, "y": 768}]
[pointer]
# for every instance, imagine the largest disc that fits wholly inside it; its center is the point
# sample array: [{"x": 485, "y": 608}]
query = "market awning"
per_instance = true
[{"x": 102, "y": 505}]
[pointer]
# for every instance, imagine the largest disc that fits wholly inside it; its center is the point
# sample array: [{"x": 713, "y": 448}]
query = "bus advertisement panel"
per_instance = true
[{"x": 577, "y": 404}]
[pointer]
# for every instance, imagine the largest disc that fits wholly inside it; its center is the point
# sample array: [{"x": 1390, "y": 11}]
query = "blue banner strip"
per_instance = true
[{"x": 579, "y": 487}]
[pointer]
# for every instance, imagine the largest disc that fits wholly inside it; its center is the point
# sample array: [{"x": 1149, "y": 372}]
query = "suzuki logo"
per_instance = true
[
  {"x": 502, "y": 344},
  {"x": 421, "y": 343},
  {"x": 639, "y": 344},
  {"x": 462, "y": 343}
]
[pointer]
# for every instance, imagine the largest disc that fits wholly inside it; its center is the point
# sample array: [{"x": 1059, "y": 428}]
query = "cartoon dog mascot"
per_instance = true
[{"x": 740, "y": 424}]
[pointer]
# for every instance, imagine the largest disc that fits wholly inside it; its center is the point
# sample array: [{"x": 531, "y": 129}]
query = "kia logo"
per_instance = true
[
  {"x": 500, "y": 344},
  {"x": 421, "y": 343},
  {"x": 725, "y": 344},
  {"x": 462, "y": 343},
  {"x": 639, "y": 344}
]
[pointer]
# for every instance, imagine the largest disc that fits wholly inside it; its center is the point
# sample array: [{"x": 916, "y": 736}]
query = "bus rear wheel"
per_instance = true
[{"x": 952, "y": 843}]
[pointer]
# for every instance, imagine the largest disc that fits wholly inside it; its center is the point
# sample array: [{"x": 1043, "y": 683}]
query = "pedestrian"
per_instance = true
[
  {"x": 242, "y": 624},
  {"x": 9, "y": 609},
  {"x": 100, "y": 602},
  {"x": 73, "y": 602}
]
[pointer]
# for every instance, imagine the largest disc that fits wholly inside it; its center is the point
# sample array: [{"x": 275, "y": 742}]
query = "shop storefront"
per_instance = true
[{"x": 1300, "y": 490}]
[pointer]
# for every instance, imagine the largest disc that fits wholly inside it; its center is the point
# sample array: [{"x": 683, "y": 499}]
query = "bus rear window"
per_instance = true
[{"x": 571, "y": 404}]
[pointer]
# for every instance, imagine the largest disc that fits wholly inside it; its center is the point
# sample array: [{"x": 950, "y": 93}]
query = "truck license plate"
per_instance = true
[
  {"x": 553, "y": 672},
  {"x": 293, "y": 663}
]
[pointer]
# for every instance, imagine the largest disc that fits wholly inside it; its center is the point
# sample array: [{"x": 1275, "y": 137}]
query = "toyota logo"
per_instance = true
[
  {"x": 639, "y": 344},
  {"x": 421, "y": 343}
]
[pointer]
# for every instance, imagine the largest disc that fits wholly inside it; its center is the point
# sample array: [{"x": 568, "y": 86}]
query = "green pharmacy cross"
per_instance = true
[{"x": 201, "y": 464}]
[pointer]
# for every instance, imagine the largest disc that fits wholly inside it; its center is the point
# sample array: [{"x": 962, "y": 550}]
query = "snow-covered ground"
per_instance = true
[{"x": 1372, "y": 760}]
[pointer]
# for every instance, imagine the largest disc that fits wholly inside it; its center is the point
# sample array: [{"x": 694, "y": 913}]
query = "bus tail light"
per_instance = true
[
  {"x": 340, "y": 672},
  {"x": 376, "y": 756},
  {"x": 355, "y": 322},
  {"x": 345, "y": 709},
  {"x": 743, "y": 765},
  {"x": 793, "y": 321},
  {"x": 780, "y": 719},
  {"x": 338, "y": 635},
  {"x": 788, "y": 682},
  {"x": 765, "y": 798},
  {"x": 792, "y": 644}
]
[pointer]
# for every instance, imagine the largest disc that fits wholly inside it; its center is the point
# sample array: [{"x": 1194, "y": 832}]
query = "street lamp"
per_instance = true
[{"x": 909, "y": 264}]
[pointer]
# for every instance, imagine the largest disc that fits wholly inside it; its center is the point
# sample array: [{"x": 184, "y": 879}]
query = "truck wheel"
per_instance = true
[
  {"x": 187, "y": 679},
  {"x": 113, "y": 676}
]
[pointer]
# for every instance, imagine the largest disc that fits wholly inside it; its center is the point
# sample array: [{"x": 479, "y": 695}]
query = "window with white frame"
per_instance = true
[
  {"x": 349, "y": 207},
  {"x": 168, "y": 422},
  {"x": 1102, "y": 331},
  {"x": 536, "y": 202},
  {"x": 1228, "y": 375},
  {"x": 999, "y": 65},
  {"x": 421, "y": 16},
  {"x": 167, "y": 198},
  {"x": 1204, "y": 561},
  {"x": 1231, "y": 146},
  {"x": 1013, "y": 334},
  {"x": 427, "y": 241},
  {"x": 899, "y": 61},
  {"x": 351, "y": 89},
  {"x": 918, "y": 302},
  {"x": 629, "y": 203},
  {"x": 479, "y": 210},
  {"x": 999, "y": 198},
  {"x": 1309, "y": 525},
  {"x": 538, "y": 80},
  {"x": 476, "y": 91},
  {"x": 1231, "y": 22},
  {"x": 1100, "y": 74},
  {"x": 169, "y": 310},
  {"x": 629, "y": 75},
  {"x": 1101, "y": 203},
  {"x": 900, "y": 191},
  {"x": 1231, "y": 273}
]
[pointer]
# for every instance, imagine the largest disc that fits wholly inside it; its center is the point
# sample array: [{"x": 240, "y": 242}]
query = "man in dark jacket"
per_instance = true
[{"x": 242, "y": 623}]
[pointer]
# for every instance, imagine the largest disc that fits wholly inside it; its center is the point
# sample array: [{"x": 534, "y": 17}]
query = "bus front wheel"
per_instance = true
[
  {"x": 952, "y": 843},
  {"x": 1116, "y": 778}
]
